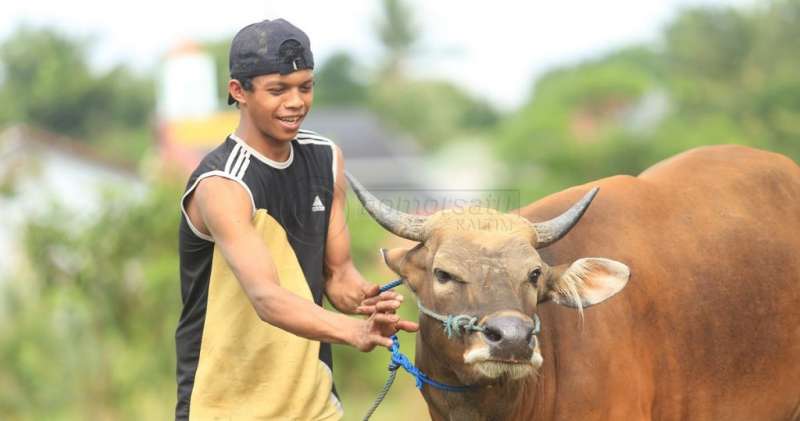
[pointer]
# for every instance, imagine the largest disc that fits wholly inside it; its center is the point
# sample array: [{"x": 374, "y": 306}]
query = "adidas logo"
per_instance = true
[{"x": 317, "y": 206}]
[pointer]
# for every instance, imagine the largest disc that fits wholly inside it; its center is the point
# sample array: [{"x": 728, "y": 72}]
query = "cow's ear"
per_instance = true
[
  {"x": 586, "y": 282},
  {"x": 408, "y": 263},
  {"x": 394, "y": 259}
]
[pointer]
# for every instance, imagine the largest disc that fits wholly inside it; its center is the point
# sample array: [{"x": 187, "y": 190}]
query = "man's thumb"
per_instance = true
[{"x": 371, "y": 290}]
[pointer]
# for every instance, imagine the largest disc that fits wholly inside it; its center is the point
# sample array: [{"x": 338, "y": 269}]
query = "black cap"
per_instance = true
[{"x": 269, "y": 46}]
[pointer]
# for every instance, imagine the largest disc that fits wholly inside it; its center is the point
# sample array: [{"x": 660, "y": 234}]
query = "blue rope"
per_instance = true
[
  {"x": 391, "y": 285},
  {"x": 400, "y": 360}
]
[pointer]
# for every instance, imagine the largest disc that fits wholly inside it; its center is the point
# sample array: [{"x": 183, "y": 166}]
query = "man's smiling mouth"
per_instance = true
[{"x": 292, "y": 119}]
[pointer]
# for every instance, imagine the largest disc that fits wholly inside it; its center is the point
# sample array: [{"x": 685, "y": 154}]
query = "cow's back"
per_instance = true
[{"x": 709, "y": 325}]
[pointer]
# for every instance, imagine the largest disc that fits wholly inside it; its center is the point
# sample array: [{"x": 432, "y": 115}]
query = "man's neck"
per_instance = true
[{"x": 267, "y": 146}]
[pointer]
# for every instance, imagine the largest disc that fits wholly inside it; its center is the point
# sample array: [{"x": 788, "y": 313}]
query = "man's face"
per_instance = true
[{"x": 278, "y": 103}]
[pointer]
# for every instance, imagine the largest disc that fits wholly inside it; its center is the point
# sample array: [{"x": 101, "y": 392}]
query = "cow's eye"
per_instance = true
[
  {"x": 442, "y": 276},
  {"x": 533, "y": 277}
]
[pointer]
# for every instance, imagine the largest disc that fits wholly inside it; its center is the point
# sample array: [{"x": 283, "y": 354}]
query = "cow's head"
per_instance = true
[{"x": 483, "y": 263}]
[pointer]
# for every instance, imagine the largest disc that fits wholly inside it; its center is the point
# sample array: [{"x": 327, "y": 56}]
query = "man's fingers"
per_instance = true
[
  {"x": 382, "y": 341},
  {"x": 381, "y": 307},
  {"x": 385, "y": 318},
  {"x": 384, "y": 296},
  {"x": 362, "y": 309},
  {"x": 407, "y": 326},
  {"x": 391, "y": 295},
  {"x": 387, "y": 306},
  {"x": 369, "y": 301},
  {"x": 371, "y": 290}
]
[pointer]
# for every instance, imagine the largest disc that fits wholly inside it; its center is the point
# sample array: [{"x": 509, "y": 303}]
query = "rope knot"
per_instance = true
[{"x": 460, "y": 324}]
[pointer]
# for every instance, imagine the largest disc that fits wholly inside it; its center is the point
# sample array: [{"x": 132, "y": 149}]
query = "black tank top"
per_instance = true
[{"x": 296, "y": 196}]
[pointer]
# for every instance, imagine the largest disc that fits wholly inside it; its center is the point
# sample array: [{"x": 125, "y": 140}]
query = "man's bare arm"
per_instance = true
[
  {"x": 222, "y": 208},
  {"x": 345, "y": 287}
]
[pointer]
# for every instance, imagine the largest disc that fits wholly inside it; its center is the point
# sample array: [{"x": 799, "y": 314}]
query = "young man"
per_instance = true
[{"x": 262, "y": 238}]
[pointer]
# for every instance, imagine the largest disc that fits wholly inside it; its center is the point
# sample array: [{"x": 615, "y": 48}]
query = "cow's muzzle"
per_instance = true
[{"x": 510, "y": 336}]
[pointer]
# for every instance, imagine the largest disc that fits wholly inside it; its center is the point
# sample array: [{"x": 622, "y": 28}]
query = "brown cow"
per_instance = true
[{"x": 707, "y": 328}]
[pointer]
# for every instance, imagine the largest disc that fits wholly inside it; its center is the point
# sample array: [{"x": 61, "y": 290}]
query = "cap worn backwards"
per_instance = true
[{"x": 269, "y": 46}]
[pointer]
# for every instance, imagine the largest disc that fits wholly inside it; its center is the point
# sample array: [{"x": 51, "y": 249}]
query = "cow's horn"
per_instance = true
[
  {"x": 549, "y": 232},
  {"x": 410, "y": 227}
]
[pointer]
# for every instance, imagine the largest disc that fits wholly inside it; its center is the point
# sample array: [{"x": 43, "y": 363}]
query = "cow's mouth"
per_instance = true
[
  {"x": 483, "y": 364},
  {"x": 494, "y": 369}
]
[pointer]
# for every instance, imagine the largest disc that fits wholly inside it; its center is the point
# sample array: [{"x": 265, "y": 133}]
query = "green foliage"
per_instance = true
[
  {"x": 433, "y": 111},
  {"x": 570, "y": 129},
  {"x": 45, "y": 79},
  {"x": 359, "y": 376},
  {"x": 738, "y": 69},
  {"x": 725, "y": 75},
  {"x": 87, "y": 333},
  {"x": 47, "y": 83},
  {"x": 725, "y": 37},
  {"x": 398, "y": 33},
  {"x": 339, "y": 82}
]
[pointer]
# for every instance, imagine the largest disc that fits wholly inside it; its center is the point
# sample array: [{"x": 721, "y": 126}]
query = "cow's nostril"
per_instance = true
[
  {"x": 509, "y": 336},
  {"x": 492, "y": 334}
]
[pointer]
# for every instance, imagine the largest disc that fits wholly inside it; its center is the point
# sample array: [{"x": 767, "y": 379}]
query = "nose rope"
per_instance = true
[{"x": 454, "y": 325}]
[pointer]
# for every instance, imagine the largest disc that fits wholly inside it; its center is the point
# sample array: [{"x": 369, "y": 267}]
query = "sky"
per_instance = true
[{"x": 495, "y": 49}]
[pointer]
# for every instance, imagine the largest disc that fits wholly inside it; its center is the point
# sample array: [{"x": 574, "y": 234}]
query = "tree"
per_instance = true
[
  {"x": 47, "y": 83},
  {"x": 339, "y": 82},
  {"x": 398, "y": 33},
  {"x": 434, "y": 111},
  {"x": 727, "y": 76},
  {"x": 46, "y": 80},
  {"x": 88, "y": 329}
]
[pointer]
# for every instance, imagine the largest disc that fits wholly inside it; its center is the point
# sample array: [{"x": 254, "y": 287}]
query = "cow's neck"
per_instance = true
[{"x": 491, "y": 402}]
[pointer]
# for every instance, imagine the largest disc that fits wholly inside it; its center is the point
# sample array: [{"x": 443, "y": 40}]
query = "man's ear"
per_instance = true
[
  {"x": 587, "y": 282},
  {"x": 236, "y": 91}
]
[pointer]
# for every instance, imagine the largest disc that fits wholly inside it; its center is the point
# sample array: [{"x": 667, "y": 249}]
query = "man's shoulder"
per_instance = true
[
  {"x": 216, "y": 158},
  {"x": 305, "y": 136}
]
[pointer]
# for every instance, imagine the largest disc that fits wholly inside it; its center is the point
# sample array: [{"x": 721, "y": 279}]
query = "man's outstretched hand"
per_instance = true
[
  {"x": 379, "y": 302},
  {"x": 382, "y": 323}
]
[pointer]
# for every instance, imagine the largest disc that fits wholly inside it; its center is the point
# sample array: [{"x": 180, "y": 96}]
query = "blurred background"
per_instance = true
[{"x": 105, "y": 108}]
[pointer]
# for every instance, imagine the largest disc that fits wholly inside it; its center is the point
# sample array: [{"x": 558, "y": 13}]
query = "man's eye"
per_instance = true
[{"x": 276, "y": 91}]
